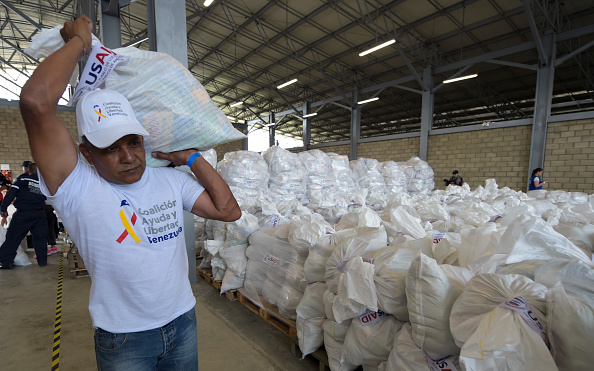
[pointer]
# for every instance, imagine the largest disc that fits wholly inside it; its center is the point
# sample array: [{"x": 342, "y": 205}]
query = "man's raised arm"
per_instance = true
[{"x": 52, "y": 147}]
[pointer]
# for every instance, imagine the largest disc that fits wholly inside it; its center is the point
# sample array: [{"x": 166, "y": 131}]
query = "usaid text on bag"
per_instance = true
[{"x": 99, "y": 65}]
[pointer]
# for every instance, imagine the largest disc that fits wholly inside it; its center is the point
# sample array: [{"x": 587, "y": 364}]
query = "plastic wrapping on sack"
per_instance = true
[
  {"x": 394, "y": 177},
  {"x": 334, "y": 335},
  {"x": 445, "y": 251},
  {"x": 306, "y": 230},
  {"x": 367, "y": 174},
  {"x": 310, "y": 334},
  {"x": 576, "y": 277},
  {"x": 369, "y": 241},
  {"x": 246, "y": 173},
  {"x": 170, "y": 103},
  {"x": 431, "y": 290},
  {"x": 420, "y": 176},
  {"x": 407, "y": 356},
  {"x": 496, "y": 337},
  {"x": 391, "y": 267},
  {"x": 315, "y": 264},
  {"x": 356, "y": 287},
  {"x": 370, "y": 339},
  {"x": 401, "y": 222},
  {"x": 342, "y": 173},
  {"x": 287, "y": 173},
  {"x": 570, "y": 329},
  {"x": 312, "y": 303}
]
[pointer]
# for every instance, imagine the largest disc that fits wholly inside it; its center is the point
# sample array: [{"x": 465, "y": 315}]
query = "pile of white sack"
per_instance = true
[
  {"x": 287, "y": 174},
  {"x": 247, "y": 175},
  {"x": 461, "y": 279}
]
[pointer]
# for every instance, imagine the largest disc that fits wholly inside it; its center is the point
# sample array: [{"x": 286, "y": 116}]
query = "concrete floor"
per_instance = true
[{"x": 230, "y": 337}]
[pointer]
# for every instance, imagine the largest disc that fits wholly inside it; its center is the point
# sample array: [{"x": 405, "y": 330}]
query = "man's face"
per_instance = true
[{"x": 121, "y": 163}]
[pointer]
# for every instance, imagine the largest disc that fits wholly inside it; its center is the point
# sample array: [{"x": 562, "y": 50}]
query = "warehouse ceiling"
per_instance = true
[{"x": 241, "y": 50}]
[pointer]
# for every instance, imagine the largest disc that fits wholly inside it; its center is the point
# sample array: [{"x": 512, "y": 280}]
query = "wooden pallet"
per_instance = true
[
  {"x": 206, "y": 273},
  {"x": 270, "y": 314},
  {"x": 76, "y": 265}
]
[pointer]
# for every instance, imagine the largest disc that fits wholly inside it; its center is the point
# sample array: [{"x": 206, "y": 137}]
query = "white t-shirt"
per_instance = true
[{"x": 131, "y": 239}]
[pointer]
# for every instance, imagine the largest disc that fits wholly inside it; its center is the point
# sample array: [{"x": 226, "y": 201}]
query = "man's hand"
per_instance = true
[
  {"x": 177, "y": 158},
  {"x": 81, "y": 26}
]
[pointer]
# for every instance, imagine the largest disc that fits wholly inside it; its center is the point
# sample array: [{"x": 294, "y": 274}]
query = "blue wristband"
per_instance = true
[{"x": 193, "y": 158}]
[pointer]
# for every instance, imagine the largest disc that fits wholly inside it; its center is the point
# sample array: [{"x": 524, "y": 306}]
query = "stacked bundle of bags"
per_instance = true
[
  {"x": 287, "y": 174},
  {"x": 367, "y": 174},
  {"x": 395, "y": 177},
  {"x": 420, "y": 176}
]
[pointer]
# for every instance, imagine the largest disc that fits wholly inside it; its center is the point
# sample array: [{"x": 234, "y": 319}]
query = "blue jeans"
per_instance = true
[{"x": 171, "y": 347}]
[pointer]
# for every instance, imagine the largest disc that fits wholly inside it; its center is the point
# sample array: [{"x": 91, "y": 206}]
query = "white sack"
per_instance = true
[
  {"x": 334, "y": 334},
  {"x": 310, "y": 334},
  {"x": 312, "y": 303},
  {"x": 431, "y": 291},
  {"x": 370, "y": 344},
  {"x": 407, "y": 356},
  {"x": 170, "y": 103},
  {"x": 356, "y": 286},
  {"x": 403, "y": 222},
  {"x": 570, "y": 329}
]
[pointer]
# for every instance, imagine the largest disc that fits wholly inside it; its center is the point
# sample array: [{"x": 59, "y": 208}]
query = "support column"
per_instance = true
[
  {"x": 111, "y": 28},
  {"x": 542, "y": 104},
  {"x": 244, "y": 142},
  {"x": 355, "y": 125},
  {"x": 87, "y": 7},
  {"x": 426, "y": 111},
  {"x": 166, "y": 22},
  {"x": 306, "y": 126},
  {"x": 271, "y": 131}
]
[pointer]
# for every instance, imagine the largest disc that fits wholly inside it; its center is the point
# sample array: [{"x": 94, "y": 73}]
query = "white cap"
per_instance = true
[{"x": 104, "y": 116}]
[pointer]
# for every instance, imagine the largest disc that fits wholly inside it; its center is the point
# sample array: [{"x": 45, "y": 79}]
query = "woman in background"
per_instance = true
[{"x": 536, "y": 181}]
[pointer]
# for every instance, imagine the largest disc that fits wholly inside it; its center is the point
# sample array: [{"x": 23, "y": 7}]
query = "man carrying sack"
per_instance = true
[{"x": 125, "y": 218}]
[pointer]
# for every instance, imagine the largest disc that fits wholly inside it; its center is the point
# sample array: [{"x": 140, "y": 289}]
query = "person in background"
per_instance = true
[
  {"x": 125, "y": 218},
  {"x": 536, "y": 181},
  {"x": 456, "y": 179},
  {"x": 30, "y": 216},
  {"x": 52, "y": 222},
  {"x": 25, "y": 166}
]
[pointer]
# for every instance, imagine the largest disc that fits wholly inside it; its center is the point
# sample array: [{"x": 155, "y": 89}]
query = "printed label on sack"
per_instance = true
[
  {"x": 438, "y": 237},
  {"x": 273, "y": 221},
  {"x": 443, "y": 364},
  {"x": 271, "y": 260},
  {"x": 369, "y": 318},
  {"x": 99, "y": 65},
  {"x": 521, "y": 306}
]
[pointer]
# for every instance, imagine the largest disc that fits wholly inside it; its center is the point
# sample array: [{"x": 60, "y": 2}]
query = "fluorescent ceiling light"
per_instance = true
[
  {"x": 138, "y": 42},
  {"x": 236, "y": 104},
  {"x": 460, "y": 78},
  {"x": 208, "y": 2},
  {"x": 286, "y": 84},
  {"x": 231, "y": 118},
  {"x": 310, "y": 115},
  {"x": 271, "y": 124},
  {"x": 368, "y": 100},
  {"x": 377, "y": 47}
]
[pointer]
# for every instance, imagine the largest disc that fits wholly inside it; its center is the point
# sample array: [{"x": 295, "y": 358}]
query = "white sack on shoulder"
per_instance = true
[{"x": 170, "y": 103}]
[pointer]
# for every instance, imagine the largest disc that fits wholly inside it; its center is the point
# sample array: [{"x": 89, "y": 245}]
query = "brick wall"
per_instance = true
[
  {"x": 569, "y": 156},
  {"x": 398, "y": 150},
  {"x": 14, "y": 148},
  {"x": 502, "y": 154},
  {"x": 228, "y": 147}
]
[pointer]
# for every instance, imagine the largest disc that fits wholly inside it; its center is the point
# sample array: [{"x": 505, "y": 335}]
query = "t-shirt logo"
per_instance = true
[
  {"x": 98, "y": 112},
  {"x": 128, "y": 230}
]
